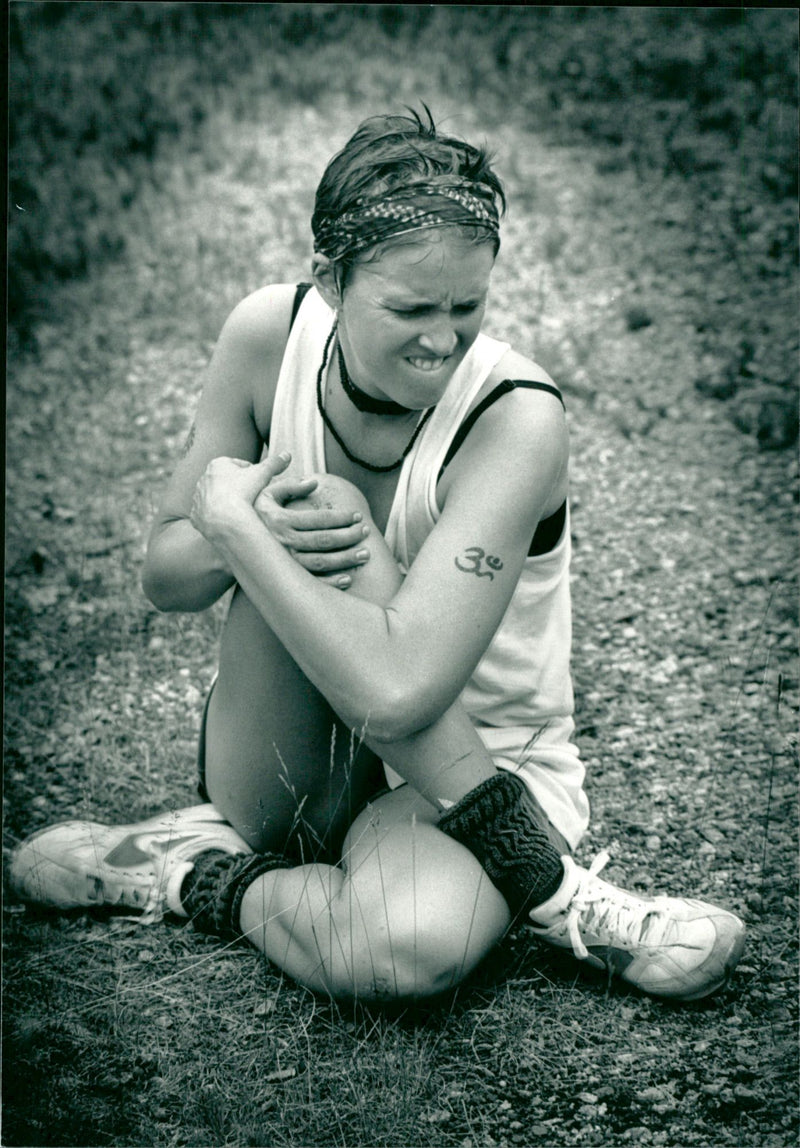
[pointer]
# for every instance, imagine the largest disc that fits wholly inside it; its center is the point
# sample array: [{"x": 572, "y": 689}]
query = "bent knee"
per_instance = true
[
  {"x": 416, "y": 950},
  {"x": 334, "y": 493}
]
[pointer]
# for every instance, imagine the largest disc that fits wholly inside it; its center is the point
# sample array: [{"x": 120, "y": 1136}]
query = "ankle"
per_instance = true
[
  {"x": 503, "y": 825},
  {"x": 211, "y": 893}
]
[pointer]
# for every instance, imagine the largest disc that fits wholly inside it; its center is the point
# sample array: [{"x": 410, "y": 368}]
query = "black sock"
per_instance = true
[
  {"x": 500, "y": 822},
  {"x": 212, "y": 892}
]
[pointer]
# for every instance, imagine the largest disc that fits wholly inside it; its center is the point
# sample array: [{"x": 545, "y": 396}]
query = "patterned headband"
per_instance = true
[{"x": 399, "y": 212}]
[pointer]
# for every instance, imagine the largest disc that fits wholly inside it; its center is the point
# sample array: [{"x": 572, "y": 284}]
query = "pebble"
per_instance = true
[{"x": 653, "y": 843}]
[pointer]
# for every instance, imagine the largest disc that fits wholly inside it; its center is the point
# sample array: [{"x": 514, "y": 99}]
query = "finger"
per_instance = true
[
  {"x": 271, "y": 466},
  {"x": 285, "y": 490},
  {"x": 311, "y": 519},
  {"x": 338, "y": 581},
  {"x": 342, "y": 539},
  {"x": 331, "y": 563},
  {"x": 262, "y": 473}
]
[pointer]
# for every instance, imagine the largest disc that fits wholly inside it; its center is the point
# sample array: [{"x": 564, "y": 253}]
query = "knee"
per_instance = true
[
  {"x": 418, "y": 950},
  {"x": 334, "y": 493}
]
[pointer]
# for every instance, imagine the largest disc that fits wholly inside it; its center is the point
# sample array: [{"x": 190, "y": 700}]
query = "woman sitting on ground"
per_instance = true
[{"x": 385, "y": 489}]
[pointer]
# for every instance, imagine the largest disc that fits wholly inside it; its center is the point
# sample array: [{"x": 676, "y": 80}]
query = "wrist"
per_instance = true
[
  {"x": 226, "y": 530},
  {"x": 235, "y": 535}
]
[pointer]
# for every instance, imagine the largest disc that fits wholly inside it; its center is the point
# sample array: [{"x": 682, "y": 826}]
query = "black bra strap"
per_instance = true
[
  {"x": 549, "y": 529},
  {"x": 301, "y": 291},
  {"x": 548, "y": 532},
  {"x": 501, "y": 389}
]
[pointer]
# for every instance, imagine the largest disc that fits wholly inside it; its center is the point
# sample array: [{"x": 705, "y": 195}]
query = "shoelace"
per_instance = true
[
  {"x": 152, "y": 908},
  {"x": 623, "y": 918}
]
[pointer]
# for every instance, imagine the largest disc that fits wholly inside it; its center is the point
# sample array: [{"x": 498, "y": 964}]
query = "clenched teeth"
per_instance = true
[{"x": 426, "y": 364}]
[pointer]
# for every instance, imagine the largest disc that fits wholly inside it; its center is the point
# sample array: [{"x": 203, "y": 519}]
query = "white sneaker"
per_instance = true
[
  {"x": 82, "y": 864},
  {"x": 666, "y": 946}
]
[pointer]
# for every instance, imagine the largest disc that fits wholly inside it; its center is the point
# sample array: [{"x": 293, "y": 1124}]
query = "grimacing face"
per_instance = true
[{"x": 408, "y": 317}]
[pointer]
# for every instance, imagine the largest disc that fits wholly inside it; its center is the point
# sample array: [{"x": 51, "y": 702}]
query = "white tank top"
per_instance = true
[{"x": 520, "y": 697}]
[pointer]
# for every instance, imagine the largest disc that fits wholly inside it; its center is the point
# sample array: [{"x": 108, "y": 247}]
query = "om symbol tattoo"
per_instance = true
[{"x": 475, "y": 557}]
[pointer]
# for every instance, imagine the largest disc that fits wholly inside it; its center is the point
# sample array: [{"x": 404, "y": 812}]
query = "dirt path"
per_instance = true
[{"x": 684, "y": 532}]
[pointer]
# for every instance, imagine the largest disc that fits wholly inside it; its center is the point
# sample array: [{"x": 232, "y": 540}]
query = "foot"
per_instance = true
[
  {"x": 666, "y": 946},
  {"x": 82, "y": 864}
]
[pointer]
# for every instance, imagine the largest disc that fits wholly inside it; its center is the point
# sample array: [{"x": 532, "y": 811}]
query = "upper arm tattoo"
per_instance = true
[{"x": 474, "y": 560}]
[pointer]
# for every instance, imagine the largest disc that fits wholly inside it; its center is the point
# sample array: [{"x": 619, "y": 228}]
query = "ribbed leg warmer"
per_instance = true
[
  {"x": 212, "y": 891},
  {"x": 500, "y": 822}
]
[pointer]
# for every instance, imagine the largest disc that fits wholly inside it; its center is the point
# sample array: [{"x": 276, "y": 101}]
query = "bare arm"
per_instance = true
[
  {"x": 183, "y": 570},
  {"x": 397, "y": 668}
]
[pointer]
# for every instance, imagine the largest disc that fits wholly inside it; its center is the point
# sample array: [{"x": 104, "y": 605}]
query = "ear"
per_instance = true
[{"x": 323, "y": 274}]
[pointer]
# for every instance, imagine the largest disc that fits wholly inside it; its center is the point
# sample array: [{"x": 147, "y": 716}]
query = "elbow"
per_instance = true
[
  {"x": 399, "y": 712},
  {"x": 170, "y": 595},
  {"x": 157, "y": 585},
  {"x": 157, "y": 590}
]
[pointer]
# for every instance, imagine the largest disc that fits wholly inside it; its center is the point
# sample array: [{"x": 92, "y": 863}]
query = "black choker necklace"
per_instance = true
[
  {"x": 361, "y": 399},
  {"x": 324, "y": 415}
]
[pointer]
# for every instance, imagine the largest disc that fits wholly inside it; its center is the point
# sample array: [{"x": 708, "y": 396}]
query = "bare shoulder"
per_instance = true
[
  {"x": 527, "y": 410},
  {"x": 248, "y": 354},
  {"x": 526, "y": 425},
  {"x": 262, "y": 318},
  {"x": 513, "y": 365}
]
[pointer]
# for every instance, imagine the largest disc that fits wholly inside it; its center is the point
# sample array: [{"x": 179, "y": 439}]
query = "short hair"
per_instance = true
[{"x": 391, "y": 152}]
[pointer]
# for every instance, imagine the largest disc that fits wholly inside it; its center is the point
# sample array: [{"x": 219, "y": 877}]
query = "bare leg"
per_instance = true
[
  {"x": 279, "y": 764},
  {"x": 410, "y": 911},
  {"x": 409, "y": 914},
  {"x": 278, "y": 757}
]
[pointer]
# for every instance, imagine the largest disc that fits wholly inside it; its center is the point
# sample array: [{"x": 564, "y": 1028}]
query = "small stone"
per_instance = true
[
  {"x": 650, "y": 1095},
  {"x": 711, "y": 1089},
  {"x": 653, "y": 843}
]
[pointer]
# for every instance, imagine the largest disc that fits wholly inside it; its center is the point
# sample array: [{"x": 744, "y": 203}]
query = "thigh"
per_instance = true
[
  {"x": 279, "y": 765},
  {"x": 424, "y": 891}
]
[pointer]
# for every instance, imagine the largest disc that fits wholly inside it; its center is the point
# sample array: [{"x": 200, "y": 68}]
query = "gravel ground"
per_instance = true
[{"x": 685, "y": 531}]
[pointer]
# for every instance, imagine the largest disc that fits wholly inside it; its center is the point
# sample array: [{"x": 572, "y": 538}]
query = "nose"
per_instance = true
[{"x": 440, "y": 338}]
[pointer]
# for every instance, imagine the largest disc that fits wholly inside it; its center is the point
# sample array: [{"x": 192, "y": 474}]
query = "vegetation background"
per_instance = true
[{"x": 162, "y": 159}]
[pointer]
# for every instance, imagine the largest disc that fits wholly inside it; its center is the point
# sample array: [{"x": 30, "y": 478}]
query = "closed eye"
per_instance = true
[{"x": 418, "y": 312}]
